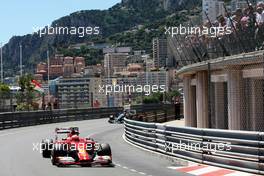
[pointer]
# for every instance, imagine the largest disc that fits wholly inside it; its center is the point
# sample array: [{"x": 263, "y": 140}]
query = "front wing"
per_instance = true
[{"x": 98, "y": 160}]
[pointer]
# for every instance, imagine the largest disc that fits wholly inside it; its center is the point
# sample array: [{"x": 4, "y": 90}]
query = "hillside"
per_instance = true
[{"x": 113, "y": 23}]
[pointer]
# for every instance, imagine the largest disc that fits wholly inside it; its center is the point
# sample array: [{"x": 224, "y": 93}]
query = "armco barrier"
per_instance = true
[
  {"x": 239, "y": 150},
  {"x": 21, "y": 119}
]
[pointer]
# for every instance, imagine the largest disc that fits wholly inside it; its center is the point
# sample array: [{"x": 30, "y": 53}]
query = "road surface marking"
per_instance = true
[
  {"x": 142, "y": 173},
  {"x": 204, "y": 170},
  {"x": 131, "y": 170}
]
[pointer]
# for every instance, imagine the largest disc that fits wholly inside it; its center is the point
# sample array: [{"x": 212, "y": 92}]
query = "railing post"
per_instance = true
[
  {"x": 160, "y": 136},
  {"x": 261, "y": 151},
  {"x": 12, "y": 119},
  {"x": 204, "y": 152},
  {"x": 1, "y": 122},
  {"x": 166, "y": 115}
]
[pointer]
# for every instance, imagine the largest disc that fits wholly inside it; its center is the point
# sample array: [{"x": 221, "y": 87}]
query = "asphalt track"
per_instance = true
[{"x": 18, "y": 157}]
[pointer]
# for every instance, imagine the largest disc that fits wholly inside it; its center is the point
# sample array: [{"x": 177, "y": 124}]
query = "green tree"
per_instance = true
[
  {"x": 172, "y": 94},
  {"x": 4, "y": 94},
  {"x": 26, "y": 93},
  {"x": 4, "y": 88},
  {"x": 159, "y": 97},
  {"x": 92, "y": 56},
  {"x": 153, "y": 98}
]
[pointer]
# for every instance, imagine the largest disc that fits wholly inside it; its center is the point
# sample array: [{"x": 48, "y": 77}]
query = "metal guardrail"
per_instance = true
[
  {"x": 158, "y": 113},
  {"x": 239, "y": 150},
  {"x": 154, "y": 116},
  {"x": 22, "y": 119}
]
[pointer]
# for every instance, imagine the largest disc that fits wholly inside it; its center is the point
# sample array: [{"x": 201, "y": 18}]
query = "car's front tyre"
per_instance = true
[{"x": 46, "y": 147}]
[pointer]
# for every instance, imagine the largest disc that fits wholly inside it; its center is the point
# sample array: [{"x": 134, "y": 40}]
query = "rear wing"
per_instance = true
[{"x": 66, "y": 130}]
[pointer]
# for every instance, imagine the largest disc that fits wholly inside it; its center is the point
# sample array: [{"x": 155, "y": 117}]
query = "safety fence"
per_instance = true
[
  {"x": 194, "y": 45},
  {"x": 21, "y": 119},
  {"x": 239, "y": 150},
  {"x": 157, "y": 116},
  {"x": 163, "y": 113}
]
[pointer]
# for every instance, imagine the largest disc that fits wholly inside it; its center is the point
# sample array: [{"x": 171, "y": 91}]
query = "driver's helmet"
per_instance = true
[
  {"x": 75, "y": 138},
  {"x": 73, "y": 132}
]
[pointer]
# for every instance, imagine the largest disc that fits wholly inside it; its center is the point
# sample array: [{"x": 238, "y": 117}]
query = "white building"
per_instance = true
[
  {"x": 238, "y": 4},
  {"x": 99, "y": 98},
  {"x": 160, "y": 52},
  {"x": 120, "y": 98},
  {"x": 114, "y": 61},
  {"x": 117, "y": 50},
  {"x": 213, "y": 9},
  {"x": 74, "y": 93}
]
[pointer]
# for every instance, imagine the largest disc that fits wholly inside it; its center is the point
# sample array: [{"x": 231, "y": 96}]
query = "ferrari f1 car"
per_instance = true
[{"x": 67, "y": 148}]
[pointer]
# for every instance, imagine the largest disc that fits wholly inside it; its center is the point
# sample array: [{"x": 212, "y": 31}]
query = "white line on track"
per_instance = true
[
  {"x": 118, "y": 165},
  {"x": 142, "y": 173},
  {"x": 131, "y": 170}
]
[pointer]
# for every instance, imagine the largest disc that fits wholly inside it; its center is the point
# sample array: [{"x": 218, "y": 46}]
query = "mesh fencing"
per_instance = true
[
  {"x": 245, "y": 35},
  {"x": 236, "y": 97},
  {"x": 193, "y": 49}
]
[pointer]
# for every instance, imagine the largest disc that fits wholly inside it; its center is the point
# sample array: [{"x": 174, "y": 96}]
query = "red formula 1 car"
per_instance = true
[{"x": 69, "y": 149}]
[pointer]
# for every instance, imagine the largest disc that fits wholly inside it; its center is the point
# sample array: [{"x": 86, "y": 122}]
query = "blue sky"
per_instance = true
[{"x": 18, "y": 17}]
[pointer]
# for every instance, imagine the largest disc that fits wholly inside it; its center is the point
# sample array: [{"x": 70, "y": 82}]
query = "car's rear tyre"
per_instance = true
[{"x": 111, "y": 121}]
